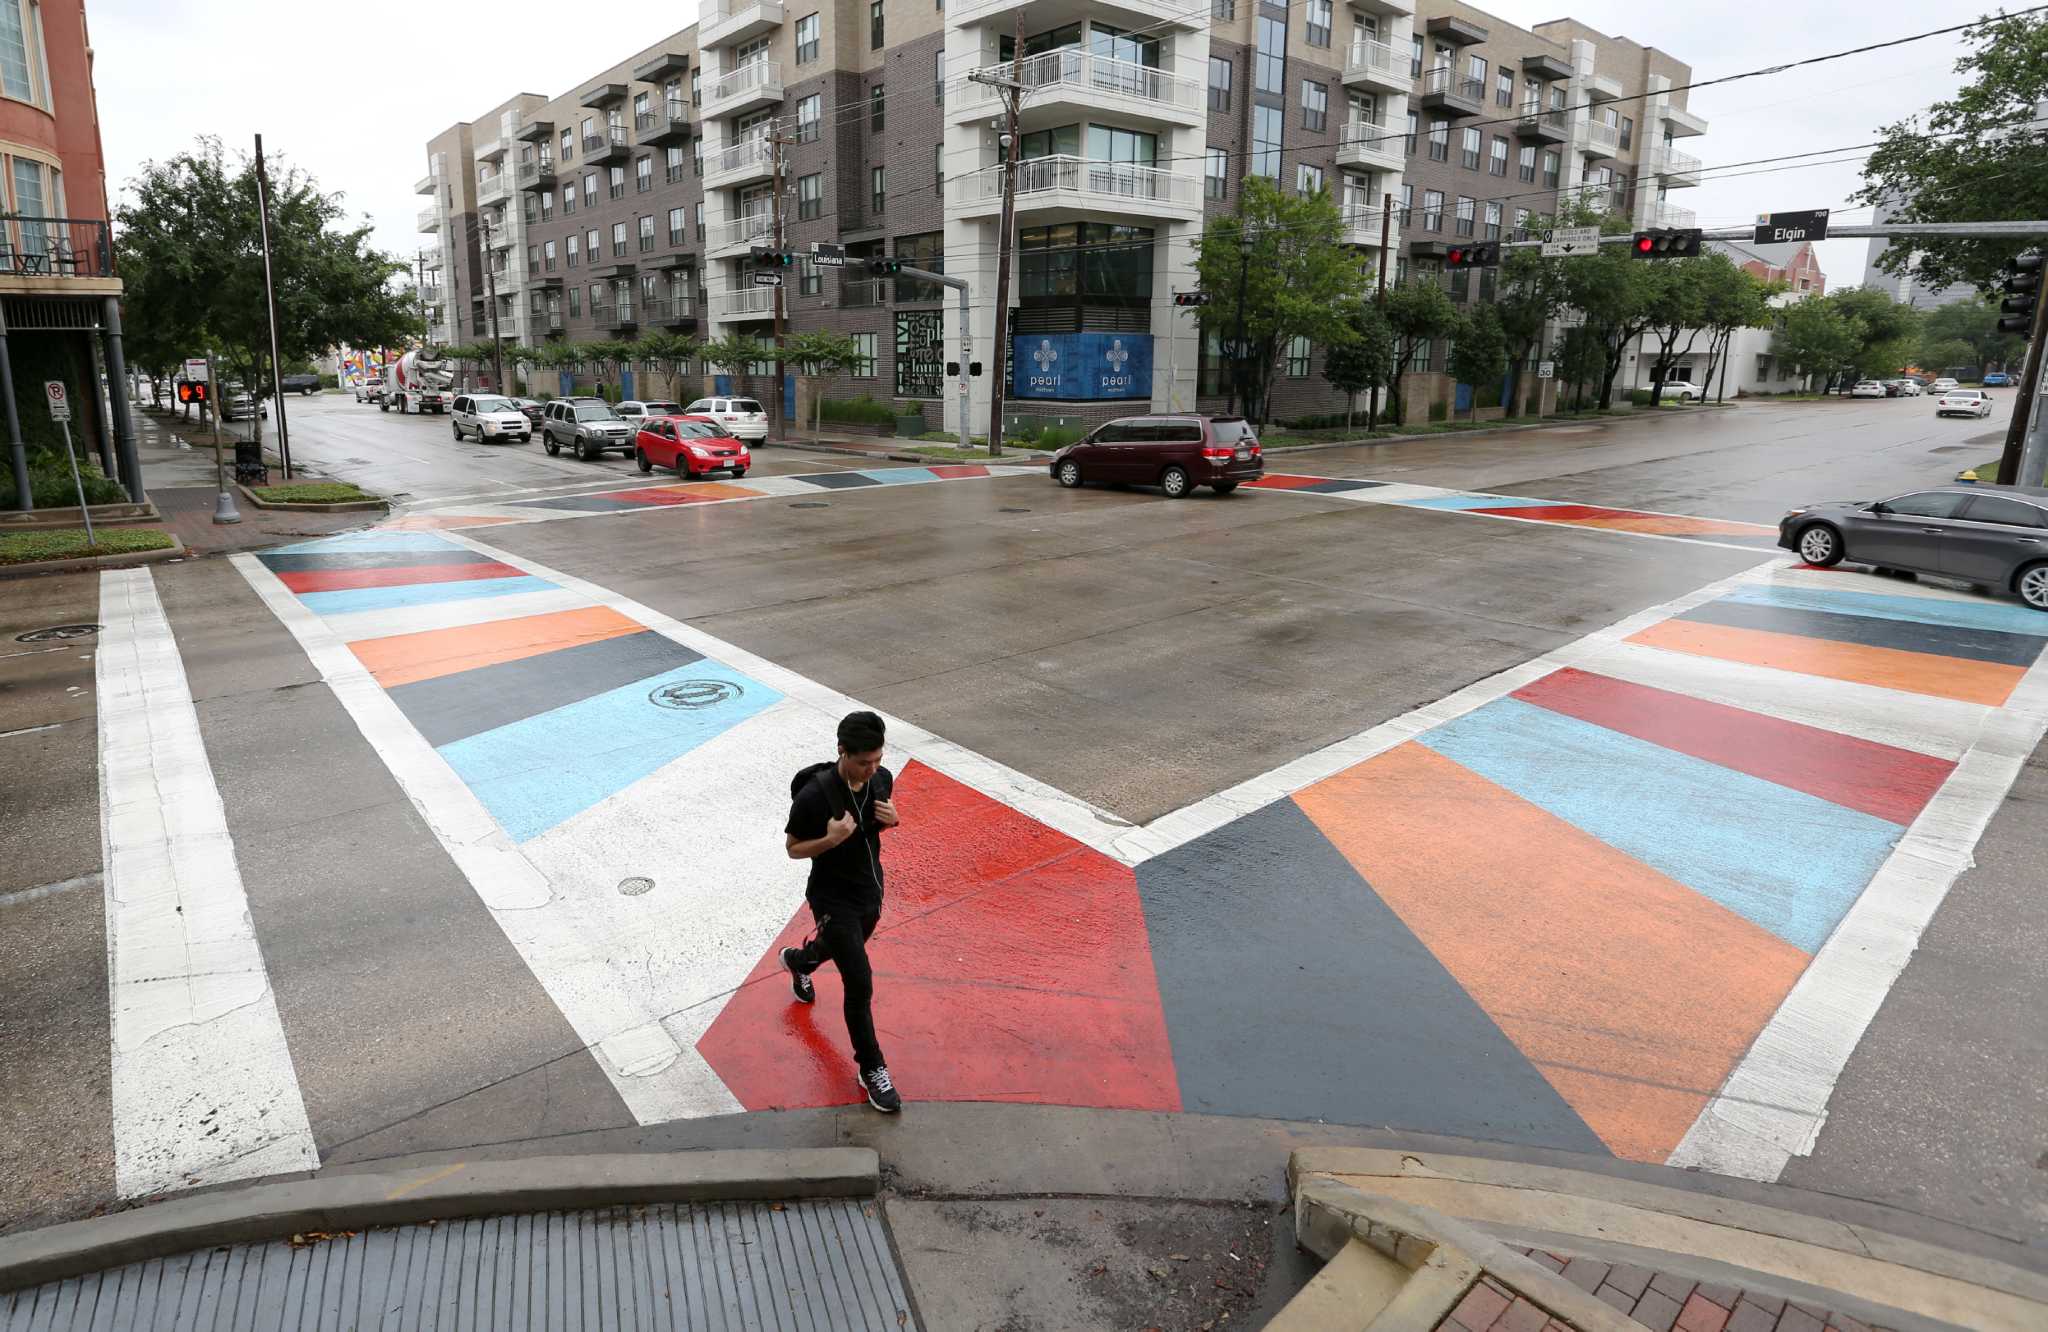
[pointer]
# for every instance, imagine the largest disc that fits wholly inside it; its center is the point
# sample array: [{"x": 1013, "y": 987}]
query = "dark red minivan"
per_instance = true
[{"x": 1175, "y": 453}]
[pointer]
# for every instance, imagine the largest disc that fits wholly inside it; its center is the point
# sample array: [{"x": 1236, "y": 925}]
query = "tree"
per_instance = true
[
  {"x": 1285, "y": 253},
  {"x": 669, "y": 352},
  {"x": 1581, "y": 356},
  {"x": 1734, "y": 298},
  {"x": 1618, "y": 296},
  {"x": 1363, "y": 360},
  {"x": 817, "y": 354},
  {"x": 1479, "y": 352},
  {"x": 1966, "y": 160},
  {"x": 737, "y": 354},
  {"x": 192, "y": 231},
  {"x": 1680, "y": 311},
  {"x": 1973, "y": 323},
  {"x": 1887, "y": 332},
  {"x": 1531, "y": 294},
  {"x": 1418, "y": 312},
  {"x": 1816, "y": 339}
]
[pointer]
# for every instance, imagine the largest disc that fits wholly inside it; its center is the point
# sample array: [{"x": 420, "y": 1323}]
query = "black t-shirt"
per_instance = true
[{"x": 850, "y": 874}]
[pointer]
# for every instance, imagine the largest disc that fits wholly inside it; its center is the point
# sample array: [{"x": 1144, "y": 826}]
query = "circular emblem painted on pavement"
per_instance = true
[
  {"x": 59, "y": 631},
  {"x": 689, "y": 695}
]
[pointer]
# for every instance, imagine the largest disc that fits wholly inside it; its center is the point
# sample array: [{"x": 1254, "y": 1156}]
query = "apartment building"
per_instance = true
[{"x": 636, "y": 195}]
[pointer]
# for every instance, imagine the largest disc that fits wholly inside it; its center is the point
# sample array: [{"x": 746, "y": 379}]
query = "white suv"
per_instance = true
[
  {"x": 742, "y": 417},
  {"x": 489, "y": 416},
  {"x": 637, "y": 412},
  {"x": 370, "y": 389}
]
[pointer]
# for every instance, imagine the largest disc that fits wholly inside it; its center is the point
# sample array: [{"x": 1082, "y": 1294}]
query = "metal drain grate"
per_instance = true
[
  {"x": 57, "y": 632},
  {"x": 810, "y": 504},
  {"x": 636, "y": 885}
]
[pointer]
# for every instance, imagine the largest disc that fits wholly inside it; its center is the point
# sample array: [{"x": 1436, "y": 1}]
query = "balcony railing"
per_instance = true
[
  {"x": 1072, "y": 70},
  {"x": 754, "y": 150},
  {"x": 745, "y": 230},
  {"x": 1372, "y": 136},
  {"x": 754, "y": 76},
  {"x": 532, "y": 173},
  {"x": 861, "y": 293},
  {"x": 670, "y": 309},
  {"x": 1362, "y": 226},
  {"x": 1671, "y": 162},
  {"x": 1533, "y": 113},
  {"x": 1444, "y": 80},
  {"x": 430, "y": 218},
  {"x": 1602, "y": 137},
  {"x": 492, "y": 187},
  {"x": 1112, "y": 182},
  {"x": 674, "y": 114},
  {"x": 1671, "y": 215},
  {"x": 746, "y": 303},
  {"x": 1370, "y": 57}
]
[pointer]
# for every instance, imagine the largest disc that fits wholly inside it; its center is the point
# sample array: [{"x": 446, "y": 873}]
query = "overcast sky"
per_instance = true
[{"x": 353, "y": 96}]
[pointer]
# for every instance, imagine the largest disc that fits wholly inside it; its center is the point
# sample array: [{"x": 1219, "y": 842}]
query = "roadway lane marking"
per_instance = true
[{"x": 203, "y": 1088}]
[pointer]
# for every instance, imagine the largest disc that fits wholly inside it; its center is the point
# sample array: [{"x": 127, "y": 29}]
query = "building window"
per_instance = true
[
  {"x": 1628, "y": 132},
  {"x": 875, "y": 25},
  {"x": 1297, "y": 358},
  {"x": 1492, "y": 220},
  {"x": 1521, "y": 223},
  {"x": 1407, "y": 203},
  {"x": 864, "y": 366},
  {"x": 1420, "y": 360},
  {"x": 575, "y": 302},
  {"x": 1465, "y": 216},
  {"x": 1439, "y": 139},
  {"x": 696, "y": 87},
  {"x": 568, "y": 200},
  {"x": 810, "y": 197},
  {"x": 568, "y": 144},
  {"x": 547, "y": 206},
  {"x": 1216, "y": 175},
  {"x": 1315, "y": 106},
  {"x": 643, "y": 174},
  {"x": 1415, "y": 57},
  {"x": 1504, "y": 87},
  {"x": 1526, "y": 161},
  {"x": 1413, "y": 120},
  {"x": 1266, "y": 141},
  {"x": 646, "y": 225},
  {"x": 1489, "y": 284},
  {"x": 1468, "y": 155},
  {"x": 1318, "y": 22},
  {"x": 672, "y": 164},
  {"x": 807, "y": 39},
  {"x": 697, "y": 156},
  {"x": 939, "y": 167},
  {"x": 1307, "y": 179},
  {"x": 698, "y": 221},
  {"x": 1475, "y": 72},
  {"x": 1461, "y": 285},
  {"x": 640, "y": 107},
  {"x": 617, "y": 183},
  {"x": 875, "y": 100},
  {"x": 878, "y": 189},
  {"x": 809, "y": 110},
  {"x": 1550, "y": 161},
  {"x": 619, "y": 240},
  {"x": 590, "y": 190},
  {"x": 677, "y": 225},
  {"x": 575, "y": 259},
  {"x": 533, "y": 261},
  {"x": 547, "y": 256},
  {"x": 810, "y": 279},
  {"x": 1219, "y": 83},
  {"x": 1497, "y": 158},
  {"x": 1432, "y": 210},
  {"x": 1272, "y": 60}
]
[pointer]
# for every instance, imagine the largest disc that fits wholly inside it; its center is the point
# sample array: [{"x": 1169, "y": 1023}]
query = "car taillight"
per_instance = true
[{"x": 1217, "y": 452}]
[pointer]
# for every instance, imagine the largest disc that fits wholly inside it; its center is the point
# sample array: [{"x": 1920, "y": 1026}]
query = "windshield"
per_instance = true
[
  {"x": 696, "y": 430},
  {"x": 746, "y": 405},
  {"x": 1963, "y": 393},
  {"x": 1229, "y": 432},
  {"x": 596, "y": 412},
  {"x": 495, "y": 405},
  {"x": 663, "y": 409}
]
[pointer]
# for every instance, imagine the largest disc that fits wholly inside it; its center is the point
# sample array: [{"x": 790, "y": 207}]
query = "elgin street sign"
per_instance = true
[{"x": 1780, "y": 228}]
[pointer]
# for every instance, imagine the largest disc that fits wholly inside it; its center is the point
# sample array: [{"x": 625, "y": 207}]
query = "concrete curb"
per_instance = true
[
  {"x": 112, "y": 515},
  {"x": 175, "y": 551},
  {"x": 349, "y": 506},
  {"x": 462, "y": 1189}
]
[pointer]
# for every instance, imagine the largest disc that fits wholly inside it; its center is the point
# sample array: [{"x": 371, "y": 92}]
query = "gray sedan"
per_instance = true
[{"x": 1994, "y": 536}]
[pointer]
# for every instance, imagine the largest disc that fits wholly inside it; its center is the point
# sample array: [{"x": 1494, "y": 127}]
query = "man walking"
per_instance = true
[{"x": 836, "y": 816}]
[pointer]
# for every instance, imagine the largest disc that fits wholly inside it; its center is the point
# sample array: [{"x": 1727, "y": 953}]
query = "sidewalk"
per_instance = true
[{"x": 184, "y": 482}]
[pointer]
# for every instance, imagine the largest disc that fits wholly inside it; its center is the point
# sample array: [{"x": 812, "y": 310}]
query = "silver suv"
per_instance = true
[{"x": 587, "y": 425}]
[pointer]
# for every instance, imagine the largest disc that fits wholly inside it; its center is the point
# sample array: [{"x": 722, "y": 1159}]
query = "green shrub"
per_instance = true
[
  {"x": 49, "y": 481},
  {"x": 1053, "y": 437},
  {"x": 863, "y": 410},
  {"x": 1639, "y": 397},
  {"x": 1439, "y": 410}
]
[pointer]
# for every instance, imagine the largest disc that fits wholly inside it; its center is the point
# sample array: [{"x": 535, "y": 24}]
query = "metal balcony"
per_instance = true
[
  {"x": 1149, "y": 14},
  {"x": 55, "y": 247},
  {"x": 1378, "y": 65},
  {"x": 671, "y": 311},
  {"x": 430, "y": 219},
  {"x": 1362, "y": 227},
  {"x": 862, "y": 293},
  {"x": 1064, "y": 81},
  {"x": 537, "y": 175},
  {"x": 1082, "y": 185},
  {"x": 1603, "y": 88},
  {"x": 1676, "y": 168},
  {"x": 756, "y": 83},
  {"x": 613, "y": 144},
  {"x": 1543, "y": 125},
  {"x": 742, "y": 163},
  {"x": 1679, "y": 121},
  {"x": 1369, "y": 143},
  {"x": 536, "y": 131},
  {"x": 603, "y": 95},
  {"x": 720, "y": 22},
  {"x": 670, "y": 124},
  {"x": 1602, "y": 139},
  {"x": 618, "y": 316},
  {"x": 736, "y": 235},
  {"x": 1671, "y": 215},
  {"x": 746, "y": 303},
  {"x": 428, "y": 184},
  {"x": 493, "y": 188},
  {"x": 1444, "y": 89}
]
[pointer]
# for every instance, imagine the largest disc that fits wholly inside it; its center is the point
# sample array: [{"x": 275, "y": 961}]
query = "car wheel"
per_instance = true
[
  {"x": 1224, "y": 487},
  {"x": 1685, "y": 397},
  {"x": 1068, "y": 474},
  {"x": 2032, "y": 585},
  {"x": 586, "y": 453},
  {"x": 1174, "y": 481},
  {"x": 456, "y": 426},
  {"x": 640, "y": 457},
  {"x": 738, "y": 472},
  {"x": 1820, "y": 546},
  {"x": 553, "y": 448},
  {"x": 383, "y": 406}
]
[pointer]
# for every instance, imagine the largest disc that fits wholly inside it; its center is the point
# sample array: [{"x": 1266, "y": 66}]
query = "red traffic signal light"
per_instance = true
[
  {"x": 1472, "y": 256},
  {"x": 1454, "y": 257},
  {"x": 1645, "y": 242}
]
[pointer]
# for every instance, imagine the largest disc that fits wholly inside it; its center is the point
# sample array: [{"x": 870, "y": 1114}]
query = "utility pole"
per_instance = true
[
  {"x": 2026, "y": 440},
  {"x": 1237, "y": 354},
  {"x": 491, "y": 294},
  {"x": 775, "y": 220},
  {"x": 284, "y": 438},
  {"x": 1012, "y": 90},
  {"x": 1372, "y": 407}
]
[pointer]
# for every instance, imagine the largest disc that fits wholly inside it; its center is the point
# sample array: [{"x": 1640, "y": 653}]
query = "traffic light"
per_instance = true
[
  {"x": 2022, "y": 284},
  {"x": 1185, "y": 298},
  {"x": 192, "y": 390},
  {"x": 881, "y": 264},
  {"x": 1668, "y": 243},
  {"x": 767, "y": 256},
  {"x": 1485, "y": 255}
]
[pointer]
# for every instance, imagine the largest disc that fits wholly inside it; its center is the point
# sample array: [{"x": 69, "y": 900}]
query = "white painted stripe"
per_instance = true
[
  {"x": 1403, "y": 495},
  {"x": 1774, "y": 1104},
  {"x": 23, "y": 896},
  {"x": 1856, "y": 580},
  {"x": 359, "y": 625},
  {"x": 606, "y": 1018},
  {"x": 203, "y": 1087}
]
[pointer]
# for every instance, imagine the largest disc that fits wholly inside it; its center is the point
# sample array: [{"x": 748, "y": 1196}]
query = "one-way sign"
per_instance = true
[
  {"x": 1778, "y": 228},
  {"x": 767, "y": 279}
]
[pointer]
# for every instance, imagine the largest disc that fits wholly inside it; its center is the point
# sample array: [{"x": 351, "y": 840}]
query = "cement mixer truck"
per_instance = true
[{"x": 419, "y": 381}]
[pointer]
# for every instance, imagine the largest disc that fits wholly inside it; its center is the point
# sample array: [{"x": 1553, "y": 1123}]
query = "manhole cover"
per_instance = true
[
  {"x": 636, "y": 885},
  {"x": 57, "y": 631},
  {"x": 689, "y": 695},
  {"x": 1011, "y": 510},
  {"x": 810, "y": 504}
]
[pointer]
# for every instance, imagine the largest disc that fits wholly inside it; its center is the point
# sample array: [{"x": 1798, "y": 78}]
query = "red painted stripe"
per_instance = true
[
  {"x": 1563, "y": 513},
  {"x": 956, "y": 471},
  {"x": 1877, "y": 779},
  {"x": 337, "y": 580},
  {"x": 1285, "y": 481}
]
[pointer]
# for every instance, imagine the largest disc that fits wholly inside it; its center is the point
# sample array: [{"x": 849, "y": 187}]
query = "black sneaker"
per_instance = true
[
  {"x": 800, "y": 984},
  {"x": 881, "y": 1091}
]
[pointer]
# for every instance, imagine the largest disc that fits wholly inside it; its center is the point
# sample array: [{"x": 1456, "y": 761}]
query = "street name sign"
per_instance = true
[
  {"x": 60, "y": 406},
  {"x": 1779, "y": 228},
  {"x": 767, "y": 279},
  {"x": 1564, "y": 242},
  {"x": 826, "y": 255}
]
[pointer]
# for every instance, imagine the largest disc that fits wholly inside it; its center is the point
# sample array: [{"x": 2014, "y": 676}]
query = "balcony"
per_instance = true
[
  {"x": 1602, "y": 139},
  {"x": 551, "y": 322},
  {"x": 1549, "y": 68},
  {"x": 1081, "y": 185},
  {"x": 671, "y": 311},
  {"x": 1064, "y": 81},
  {"x": 1151, "y": 15},
  {"x": 618, "y": 317},
  {"x": 1676, "y": 168},
  {"x": 536, "y": 131},
  {"x": 430, "y": 220},
  {"x": 1681, "y": 122},
  {"x": 537, "y": 175},
  {"x": 66, "y": 248},
  {"x": 862, "y": 293},
  {"x": 736, "y": 235},
  {"x": 1390, "y": 8},
  {"x": 665, "y": 66},
  {"x": 670, "y": 124},
  {"x": 1368, "y": 143},
  {"x": 1377, "y": 65},
  {"x": 746, "y": 303},
  {"x": 430, "y": 258},
  {"x": 1445, "y": 90},
  {"x": 742, "y": 163},
  {"x": 1671, "y": 215},
  {"x": 603, "y": 95},
  {"x": 493, "y": 188},
  {"x": 490, "y": 150},
  {"x": 1455, "y": 31},
  {"x": 1362, "y": 227},
  {"x": 756, "y": 83},
  {"x": 428, "y": 184},
  {"x": 613, "y": 145},
  {"x": 1603, "y": 88},
  {"x": 721, "y": 22},
  {"x": 1544, "y": 126}
]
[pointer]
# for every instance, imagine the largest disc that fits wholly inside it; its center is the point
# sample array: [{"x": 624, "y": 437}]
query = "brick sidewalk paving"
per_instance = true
[{"x": 1656, "y": 1300}]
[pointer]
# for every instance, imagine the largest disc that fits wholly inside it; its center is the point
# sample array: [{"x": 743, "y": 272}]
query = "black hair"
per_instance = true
[{"x": 860, "y": 733}]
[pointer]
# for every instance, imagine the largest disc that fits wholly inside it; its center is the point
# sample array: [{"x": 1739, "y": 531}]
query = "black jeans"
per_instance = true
[{"x": 842, "y": 939}]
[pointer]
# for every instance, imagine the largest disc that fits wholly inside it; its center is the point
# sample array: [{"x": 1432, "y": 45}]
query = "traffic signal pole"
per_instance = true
[
  {"x": 2022, "y": 461},
  {"x": 1012, "y": 90},
  {"x": 775, "y": 221}
]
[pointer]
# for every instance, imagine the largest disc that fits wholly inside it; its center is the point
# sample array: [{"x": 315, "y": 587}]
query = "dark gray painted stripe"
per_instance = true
[
  {"x": 1396, "y": 1040},
  {"x": 838, "y": 480},
  {"x": 370, "y": 559},
  {"x": 1936, "y": 639},
  {"x": 450, "y": 707},
  {"x": 1338, "y": 486}
]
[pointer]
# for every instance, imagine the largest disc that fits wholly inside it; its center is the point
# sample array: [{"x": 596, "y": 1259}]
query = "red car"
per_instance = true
[{"x": 692, "y": 445}]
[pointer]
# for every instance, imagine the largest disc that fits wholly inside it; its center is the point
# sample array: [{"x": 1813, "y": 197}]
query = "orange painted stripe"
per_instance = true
[
  {"x": 1986, "y": 682},
  {"x": 712, "y": 490},
  {"x": 1662, "y": 525},
  {"x": 430, "y": 653},
  {"x": 1633, "y": 995}
]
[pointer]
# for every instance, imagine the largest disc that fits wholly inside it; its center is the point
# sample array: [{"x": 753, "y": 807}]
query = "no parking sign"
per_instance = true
[{"x": 60, "y": 404}]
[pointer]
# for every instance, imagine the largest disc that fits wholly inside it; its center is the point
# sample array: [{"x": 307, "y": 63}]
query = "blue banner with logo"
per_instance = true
[{"x": 1081, "y": 367}]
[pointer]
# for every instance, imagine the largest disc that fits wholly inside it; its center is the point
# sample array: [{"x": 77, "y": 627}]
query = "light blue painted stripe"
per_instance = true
[
  {"x": 899, "y": 476},
  {"x": 349, "y": 600},
  {"x": 535, "y": 773},
  {"x": 1478, "y": 502},
  {"x": 1912, "y": 610},
  {"x": 361, "y": 541},
  {"x": 1787, "y": 861}
]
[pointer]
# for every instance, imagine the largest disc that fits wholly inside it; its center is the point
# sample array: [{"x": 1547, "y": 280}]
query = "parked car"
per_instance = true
[
  {"x": 534, "y": 410},
  {"x": 1941, "y": 385},
  {"x": 743, "y": 415},
  {"x": 1908, "y": 388},
  {"x": 636, "y": 411},
  {"x": 370, "y": 389},
  {"x": 1994, "y": 536},
  {"x": 1996, "y": 379},
  {"x": 489, "y": 416},
  {"x": 238, "y": 404},
  {"x": 587, "y": 426},
  {"x": 692, "y": 445},
  {"x": 1963, "y": 402},
  {"x": 302, "y": 384},
  {"x": 1681, "y": 390},
  {"x": 1175, "y": 453},
  {"x": 1868, "y": 388}
]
